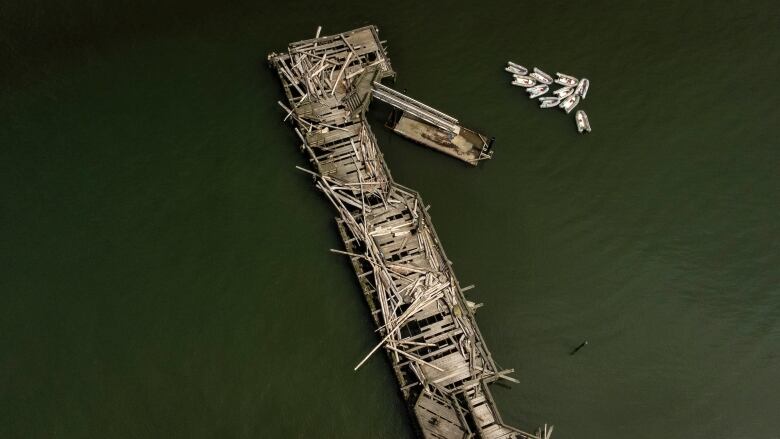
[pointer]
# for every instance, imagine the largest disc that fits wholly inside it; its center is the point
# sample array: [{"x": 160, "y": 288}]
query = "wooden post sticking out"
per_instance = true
[{"x": 343, "y": 67}]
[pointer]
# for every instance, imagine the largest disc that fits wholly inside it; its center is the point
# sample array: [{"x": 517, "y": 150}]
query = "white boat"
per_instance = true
[
  {"x": 520, "y": 69},
  {"x": 548, "y": 102},
  {"x": 583, "y": 124},
  {"x": 564, "y": 92},
  {"x": 565, "y": 76},
  {"x": 566, "y": 81},
  {"x": 538, "y": 90},
  {"x": 515, "y": 71},
  {"x": 547, "y": 78},
  {"x": 569, "y": 103},
  {"x": 539, "y": 78},
  {"x": 523, "y": 81},
  {"x": 582, "y": 87}
]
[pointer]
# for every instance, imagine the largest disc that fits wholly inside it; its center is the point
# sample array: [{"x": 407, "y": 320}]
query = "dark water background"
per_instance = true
[{"x": 164, "y": 271}]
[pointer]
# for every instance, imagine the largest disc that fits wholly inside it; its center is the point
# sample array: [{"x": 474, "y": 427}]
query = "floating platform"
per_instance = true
[
  {"x": 425, "y": 325},
  {"x": 427, "y": 126}
]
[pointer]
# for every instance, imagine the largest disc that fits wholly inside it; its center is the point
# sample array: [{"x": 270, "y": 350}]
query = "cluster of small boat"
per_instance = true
[{"x": 537, "y": 83}]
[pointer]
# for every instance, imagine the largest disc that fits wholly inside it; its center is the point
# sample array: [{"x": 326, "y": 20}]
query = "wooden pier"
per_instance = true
[{"x": 425, "y": 325}]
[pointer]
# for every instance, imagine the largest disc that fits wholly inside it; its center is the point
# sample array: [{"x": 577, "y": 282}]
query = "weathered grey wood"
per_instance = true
[{"x": 424, "y": 323}]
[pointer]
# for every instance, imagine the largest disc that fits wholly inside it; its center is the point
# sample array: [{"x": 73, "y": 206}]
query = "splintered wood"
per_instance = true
[{"x": 424, "y": 323}]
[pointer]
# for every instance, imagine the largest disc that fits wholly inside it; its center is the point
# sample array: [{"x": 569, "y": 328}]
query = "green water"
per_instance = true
[{"x": 165, "y": 270}]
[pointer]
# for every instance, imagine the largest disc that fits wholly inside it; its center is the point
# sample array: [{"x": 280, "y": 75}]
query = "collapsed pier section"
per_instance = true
[{"x": 426, "y": 326}]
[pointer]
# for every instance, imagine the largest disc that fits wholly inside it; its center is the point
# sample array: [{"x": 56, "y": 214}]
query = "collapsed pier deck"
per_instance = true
[{"x": 426, "y": 325}]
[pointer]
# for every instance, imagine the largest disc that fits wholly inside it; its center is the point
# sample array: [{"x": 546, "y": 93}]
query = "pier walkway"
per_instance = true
[
  {"x": 425, "y": 324},
  {"x": 415, "y": 107}
]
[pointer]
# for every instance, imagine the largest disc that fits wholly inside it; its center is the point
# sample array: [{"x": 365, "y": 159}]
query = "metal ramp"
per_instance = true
[{"x": 415, "y": 107}]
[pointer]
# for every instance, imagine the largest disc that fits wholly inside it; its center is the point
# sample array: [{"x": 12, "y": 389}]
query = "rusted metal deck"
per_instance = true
[{"x": 425, "y": 324}]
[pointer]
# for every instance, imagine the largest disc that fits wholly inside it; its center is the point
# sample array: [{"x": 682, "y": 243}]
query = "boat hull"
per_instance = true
[
  {"x": 520, "y": 69},
  {"x": 538, "y": 90},
  {"x": 583, "y": 124},
  {"x": 569, "y": 103},
  {"x": 582, "y": 87},
  {"x": 564, "y": 92},
  {"x": 566, "y": 82},
  {"x": 549, "y": 102},
  {"x": 547, "y": 78},
  {"x": 523, "y": 81}
]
